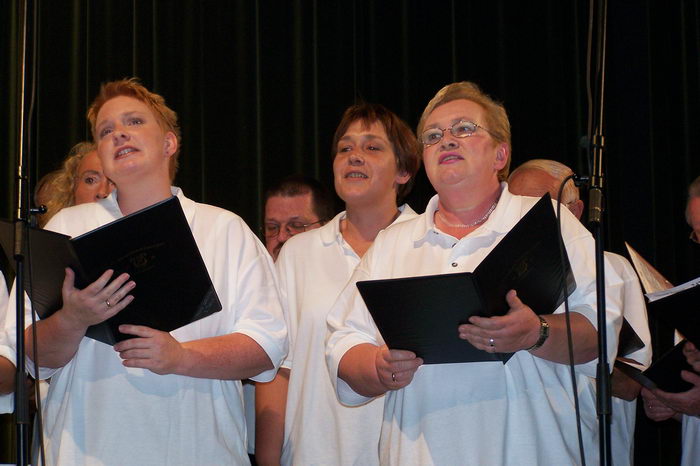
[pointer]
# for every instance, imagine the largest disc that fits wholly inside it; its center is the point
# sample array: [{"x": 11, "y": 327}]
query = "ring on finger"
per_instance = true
[
  {"x": 108, "y": 303},
  {"x": 393, "y": 377},
  {"x": 492, "y": 343}
]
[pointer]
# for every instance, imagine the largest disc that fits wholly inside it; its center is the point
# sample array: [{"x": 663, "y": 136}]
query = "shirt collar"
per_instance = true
[
  {"x": 500, "y": 220},
  {"x": 188, "y": 205},
  {"x": 330, "y": 232}
]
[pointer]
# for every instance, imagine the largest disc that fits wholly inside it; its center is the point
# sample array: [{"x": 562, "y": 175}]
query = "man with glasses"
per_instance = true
[{"x": 296, "y": 204}]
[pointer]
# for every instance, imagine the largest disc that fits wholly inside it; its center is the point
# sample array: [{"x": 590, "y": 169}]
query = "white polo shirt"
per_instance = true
[
  {"x": 313, "y": 268},
  {"x": 624, "y": 413}
]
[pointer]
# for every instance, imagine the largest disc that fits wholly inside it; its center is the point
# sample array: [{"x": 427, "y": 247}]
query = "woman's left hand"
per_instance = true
[{"x": 517, "y": 330}]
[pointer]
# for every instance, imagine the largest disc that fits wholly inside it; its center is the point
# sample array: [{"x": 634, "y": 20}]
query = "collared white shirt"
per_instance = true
[{"x": 313, "y": 268}]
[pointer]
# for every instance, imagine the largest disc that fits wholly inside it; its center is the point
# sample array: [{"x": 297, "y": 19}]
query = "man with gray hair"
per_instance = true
[{"x": 539, "y": 176}]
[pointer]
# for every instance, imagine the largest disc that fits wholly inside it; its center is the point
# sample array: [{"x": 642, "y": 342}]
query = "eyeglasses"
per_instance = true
[
  {"x": 461, "y": 129},
  {"x": 694, "y": 237},
  {"x": 271, "y": 230}
]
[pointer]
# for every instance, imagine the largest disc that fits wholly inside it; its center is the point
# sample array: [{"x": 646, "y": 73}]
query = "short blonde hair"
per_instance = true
[
  {"x": 496, "y": 117},
  {"x": 558, "y": 171},
  {"x": 131, "y": 87}
]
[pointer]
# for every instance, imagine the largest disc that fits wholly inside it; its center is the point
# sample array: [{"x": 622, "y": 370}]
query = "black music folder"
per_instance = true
[
  {"x": 154, "y": 246},
  {"x": 421, "y": 314},
  {"x": 679, "y": 308},
  {"x": 628, "y": 341},
  {"x": 664, "y": 373}
]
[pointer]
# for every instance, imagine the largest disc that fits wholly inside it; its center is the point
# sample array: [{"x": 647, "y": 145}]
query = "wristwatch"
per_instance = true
[{"x": 544, "y": 334}]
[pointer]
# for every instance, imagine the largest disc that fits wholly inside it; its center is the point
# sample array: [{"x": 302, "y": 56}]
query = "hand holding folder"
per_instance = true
[
  {"x": 679, "y": 308},
  {"x": 421, "y": 314},
  {"x": 154, "y": 246}
]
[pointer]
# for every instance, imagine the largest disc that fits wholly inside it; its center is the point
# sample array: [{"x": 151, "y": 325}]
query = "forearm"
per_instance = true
[
  {"x": 270, "y": 406},
  {"x": 228, "y": 357},
  {"x": 556, "y": 349},
  {"x": 7, "y": 376},
  {"x": 58, "y": 338},
  {"x": 358, "y": 369}
]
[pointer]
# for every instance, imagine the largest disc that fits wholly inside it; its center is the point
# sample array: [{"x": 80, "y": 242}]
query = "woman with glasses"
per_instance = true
[
  {"x": 299, "y": 418},
  {"x": 481, "y": 413}
]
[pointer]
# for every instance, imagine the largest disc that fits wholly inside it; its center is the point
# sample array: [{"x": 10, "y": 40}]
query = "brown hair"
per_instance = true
[
  {"x": 131, "y": 87},
  {"x": 495, "y": 113},
  {"x": 404, "y": 143}
]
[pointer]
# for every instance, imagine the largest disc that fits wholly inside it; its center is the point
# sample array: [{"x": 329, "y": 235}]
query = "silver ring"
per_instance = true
[
  {"x": 492, "y": 343},
  {"x": 393, "y": 377},
  {"x": 107, "y": 303}
]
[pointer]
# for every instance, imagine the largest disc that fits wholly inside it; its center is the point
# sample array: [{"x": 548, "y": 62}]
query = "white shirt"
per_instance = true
[
  {"x": 691, "y": 441},
  {"x": 313, "y": 268},
  {"x": 6, "y": 401},
  {"x": 100, "y": 412},
  {"x": 631, "y": 299},
  {"x": 483, "y": 413}
]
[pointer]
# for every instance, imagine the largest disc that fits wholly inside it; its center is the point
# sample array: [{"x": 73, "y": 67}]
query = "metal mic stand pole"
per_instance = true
[
  {"x": 21, "y": 225},
  {"x": 595, "y": 206}
]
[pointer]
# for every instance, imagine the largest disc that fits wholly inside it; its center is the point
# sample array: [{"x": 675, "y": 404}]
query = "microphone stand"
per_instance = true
[
  {"x": 595, "y": 218},
  {"x": 22, "y": 216}
]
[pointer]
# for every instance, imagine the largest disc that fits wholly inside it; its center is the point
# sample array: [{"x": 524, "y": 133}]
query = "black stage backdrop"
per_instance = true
[{"x": 260, "y": 85}]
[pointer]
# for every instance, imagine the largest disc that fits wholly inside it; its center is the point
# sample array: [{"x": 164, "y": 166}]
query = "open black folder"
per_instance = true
[
  {"x": 421, "y": 314},
  {"x": 154, "y": 246},
  {"x": 679, "y": 308},
  {"x": 664, "y": 373}
]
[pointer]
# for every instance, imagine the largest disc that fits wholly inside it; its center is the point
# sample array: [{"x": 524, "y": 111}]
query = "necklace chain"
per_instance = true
[{"x": 472, "y": 224}]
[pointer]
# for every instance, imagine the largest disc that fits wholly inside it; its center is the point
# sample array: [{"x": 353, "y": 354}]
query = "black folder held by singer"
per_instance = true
[
  {"x": 421, "y": 314},
  {"x": 679, "y": 308},
  {"x": 154, "y": 246}
]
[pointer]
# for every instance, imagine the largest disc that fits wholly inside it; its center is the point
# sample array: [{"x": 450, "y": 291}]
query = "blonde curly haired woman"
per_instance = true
[{"x": 80, "y": 180}]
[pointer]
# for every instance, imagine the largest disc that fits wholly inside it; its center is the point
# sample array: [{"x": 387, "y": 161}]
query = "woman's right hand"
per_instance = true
[
  {"x": 98, "y": 301},
  {"x": 395, "y": 368}
]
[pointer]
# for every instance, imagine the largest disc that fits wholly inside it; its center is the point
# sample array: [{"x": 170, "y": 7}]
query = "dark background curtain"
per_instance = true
[{"x": 260, "y": 86}]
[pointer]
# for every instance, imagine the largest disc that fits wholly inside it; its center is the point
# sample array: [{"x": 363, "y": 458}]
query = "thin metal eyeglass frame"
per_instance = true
[{"x": 453, "y": 134}]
